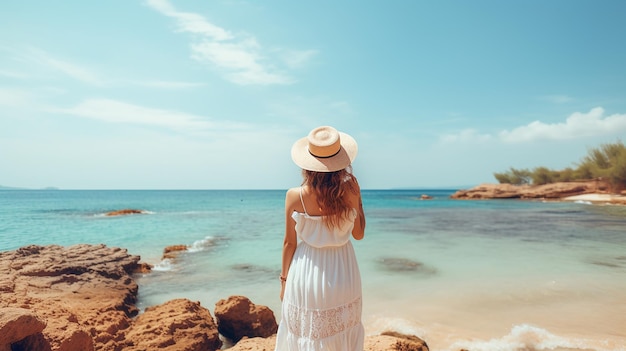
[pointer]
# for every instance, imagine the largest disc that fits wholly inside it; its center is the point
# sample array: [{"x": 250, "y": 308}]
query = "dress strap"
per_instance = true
[{"x": 302, "y": 200}]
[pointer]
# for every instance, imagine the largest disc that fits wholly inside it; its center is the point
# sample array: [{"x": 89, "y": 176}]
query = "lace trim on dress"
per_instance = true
[{"x": 319, "y": 324}]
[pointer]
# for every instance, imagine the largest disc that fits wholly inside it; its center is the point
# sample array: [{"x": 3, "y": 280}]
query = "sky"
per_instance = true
[{"x": 164, "y": 94}]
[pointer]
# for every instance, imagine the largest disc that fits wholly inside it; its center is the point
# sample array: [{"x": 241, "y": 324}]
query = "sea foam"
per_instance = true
[
  {"x": 530, "y": 338},
  {"x": 201, "y": 245},
  {"x": 163, "y": 266}
]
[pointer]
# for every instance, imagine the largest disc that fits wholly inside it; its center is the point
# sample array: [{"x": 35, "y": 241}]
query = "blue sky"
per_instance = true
[{"x": 162, "y": 94}]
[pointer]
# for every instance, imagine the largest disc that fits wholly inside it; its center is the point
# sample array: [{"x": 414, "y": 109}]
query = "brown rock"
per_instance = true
[
  {"x": 237, "y": 317},
  {"x": 388, "y": 341},
  {"x": 85, "y": 293},
  {"x": 172, "y": 251},
  {"x": 404, "y": 342},
  {"x": 426, "y": 197},
  {"x": 143, "y": 267},
  {"x": 255, "y": 344},
  {"x": 124, "y": 212},
  {"x": 17, "y": 324},
  {"x": 546, "y": 191},
  {"x": 177, "y": 325},
  {"x": 85, "y": 297}
]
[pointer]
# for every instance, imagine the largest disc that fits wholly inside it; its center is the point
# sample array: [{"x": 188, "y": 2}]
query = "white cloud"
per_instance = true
[
  {"x": 121, "y": 112},
  {"x": 84, "y": 74},
  {"x": 190, "y": 22},
  {"x": 167, "y": 84},
  {"x": 238, "y": 57},
  {"x": 297, "y": 59},
  {"x": 577, "y": 125},
  {"x": 14, "y": 97},
  {"x": 73, "y": 70},
  {"x": 241, "y": 61},
  {"x": 14, "y": 75}
]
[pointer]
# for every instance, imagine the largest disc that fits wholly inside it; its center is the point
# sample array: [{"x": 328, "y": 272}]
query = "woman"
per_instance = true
[{"x": 320, "y": 278}]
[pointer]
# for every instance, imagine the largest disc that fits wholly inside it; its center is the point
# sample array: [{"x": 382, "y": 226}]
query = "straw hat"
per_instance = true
[{"x": 324, "y": 150}]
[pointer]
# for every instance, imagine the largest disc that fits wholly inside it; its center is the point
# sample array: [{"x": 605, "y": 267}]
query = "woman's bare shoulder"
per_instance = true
[
  {"x": 293, "y": 191},
  {"x": 292, "y": 196},
  {"x": 292, "y": 199}
]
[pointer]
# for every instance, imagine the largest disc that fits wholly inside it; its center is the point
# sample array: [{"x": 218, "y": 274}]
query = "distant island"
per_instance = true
[
  {"x": 599, "y": 177},
  {"x": 2, "y": 187}
]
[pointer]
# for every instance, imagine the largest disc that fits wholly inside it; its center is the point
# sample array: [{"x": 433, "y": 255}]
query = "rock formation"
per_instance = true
[
  {"x": 172, "y": 251},
  {"x": 546, "y": 191},
  {"x": 19, "y": 327},
  {"x": 387, "y": 341},
  {"x": 178, "y": 324},
  {"x": 84, "y": 296},
  {"x": 80, "y": 291},
  {"x": 124, "y": 212},
  {"x": 392, "y": 341}
]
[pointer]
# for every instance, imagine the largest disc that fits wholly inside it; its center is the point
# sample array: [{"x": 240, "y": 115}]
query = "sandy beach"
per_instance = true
[{"x": 597, "y": 198}]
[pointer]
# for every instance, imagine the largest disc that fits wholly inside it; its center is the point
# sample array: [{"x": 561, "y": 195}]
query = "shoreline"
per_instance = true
[
  {"x": 119, "y": 320},
  {"x": 84, "y": 297},
  {"x": 427, "y": 314},
  {"x": 598, "y": 198}
]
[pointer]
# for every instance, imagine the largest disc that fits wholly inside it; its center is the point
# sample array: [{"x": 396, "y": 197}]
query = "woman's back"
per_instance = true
[{"x": 320, "y": 278}]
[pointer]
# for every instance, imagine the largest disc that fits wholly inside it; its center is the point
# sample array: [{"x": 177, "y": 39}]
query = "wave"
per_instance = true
[
  {"x": 164, "y": 266},
  {"x": 203, "y": 244},
  {"x": 582, "y": 202},
  {"x": 530, "y": 338},
  {"x": 523, "y": 337},
  {"x": 169, "y": 264}
]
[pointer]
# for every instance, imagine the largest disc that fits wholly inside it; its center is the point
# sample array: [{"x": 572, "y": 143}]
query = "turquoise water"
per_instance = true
[{"x": 481, "y": 275}]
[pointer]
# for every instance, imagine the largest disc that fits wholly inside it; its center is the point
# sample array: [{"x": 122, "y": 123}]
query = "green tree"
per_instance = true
[
  {"x": 520, "y": 176},
  {"x": 503, "y": 178},
  {"x": 542, "y": 175},
  {"x": 607, "y": 161},
  {"x": 566, "y": 175},
  {"x": 514, "y": 176}
]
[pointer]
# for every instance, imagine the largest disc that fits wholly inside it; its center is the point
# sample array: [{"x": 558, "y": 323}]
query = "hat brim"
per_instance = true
[{"x": 302, "y": 157}]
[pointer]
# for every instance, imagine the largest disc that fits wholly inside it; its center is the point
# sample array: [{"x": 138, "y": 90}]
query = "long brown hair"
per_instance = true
[{"x": 330, "y": 189}]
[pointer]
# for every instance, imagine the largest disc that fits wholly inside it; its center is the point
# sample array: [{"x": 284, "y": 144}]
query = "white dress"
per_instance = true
[{"x": 321, "y": 307}]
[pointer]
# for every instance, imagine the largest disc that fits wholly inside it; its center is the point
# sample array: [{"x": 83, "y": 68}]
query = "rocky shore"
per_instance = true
[
  {"x": 597, "y": 190},
  {"x": 83, "y": 298}
]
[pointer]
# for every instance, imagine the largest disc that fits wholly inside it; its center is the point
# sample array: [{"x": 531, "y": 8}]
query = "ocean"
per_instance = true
[{"x": 481, "y": 275}]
